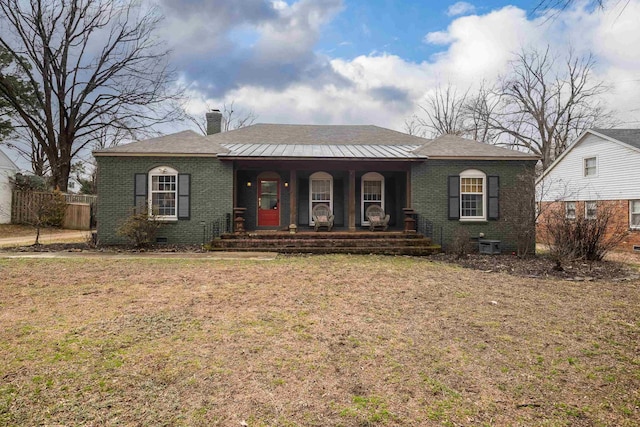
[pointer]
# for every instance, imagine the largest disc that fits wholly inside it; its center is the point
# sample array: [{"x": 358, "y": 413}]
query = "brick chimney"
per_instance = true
[{"x": 214, "y": 122}]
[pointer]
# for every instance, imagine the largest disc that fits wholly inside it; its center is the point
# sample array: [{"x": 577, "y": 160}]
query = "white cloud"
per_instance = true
[
  {"x": 438, "y": 37},
  {"x": 460, "y": 8},
  {"x": 384, "y": 89}
]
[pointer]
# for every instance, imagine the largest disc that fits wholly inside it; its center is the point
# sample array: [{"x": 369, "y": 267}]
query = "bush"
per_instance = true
[
  {"x": 582, "y": 238},
  {"x": 461, "y": 243},
  {"x": 29, "y": 183},
  {"x": 140, "y": 228},
  {"x": 53, "y": 215}
]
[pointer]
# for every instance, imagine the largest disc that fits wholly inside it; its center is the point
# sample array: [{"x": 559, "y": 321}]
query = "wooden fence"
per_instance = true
[
  {"x": 78, "y": 212},
  {"x": 77, "y": 216}
]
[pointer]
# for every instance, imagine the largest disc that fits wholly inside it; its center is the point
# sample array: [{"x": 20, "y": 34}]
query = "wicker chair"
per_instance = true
[
  {"x": 377, "y": 218},
  {"x": 322, "y": 217}
]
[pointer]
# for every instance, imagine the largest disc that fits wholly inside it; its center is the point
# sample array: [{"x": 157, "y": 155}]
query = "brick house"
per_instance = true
[
  {"x": 600, "y": 171},
  {"x": 278, "y": 173}
]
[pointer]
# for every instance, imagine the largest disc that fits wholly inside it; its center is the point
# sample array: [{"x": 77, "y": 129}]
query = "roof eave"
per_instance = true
[
  {"x": 342, "y": 159},
  {"x": 528, "y": 158},
  {"x": 146, "y": 154}
]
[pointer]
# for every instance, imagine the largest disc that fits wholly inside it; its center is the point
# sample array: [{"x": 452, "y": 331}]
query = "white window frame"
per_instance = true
[
  {"x": 633, "y": 212},
  {"x": 585, "y": 168},
  {"x": 163, "y": 171},
  {"x": 319, "y": 176},
  {"x": 566, "y": 209},
  {"x": 474, "y": 173},
  {"x": 370, "y": 177},
  {"x": 595, "y": 209}
]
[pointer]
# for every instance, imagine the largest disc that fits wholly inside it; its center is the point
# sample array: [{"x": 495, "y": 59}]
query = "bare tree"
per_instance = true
[
  {"x": 231, "y": 118},
  {"x": 85, "y": 170},
  {"x": 479, "y": 112},
  {"x": 94, "y": 64},
  {"x": 444, "y": 112},
  {"x": 560, "y": 5},
  {"x": 540, "y": 109},
  {"x": 413, "y": 127},
  {"x": 27, "y": 147}
]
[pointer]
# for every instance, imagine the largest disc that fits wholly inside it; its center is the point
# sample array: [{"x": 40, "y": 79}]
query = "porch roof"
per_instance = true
[{"x": 322, "y": 151}]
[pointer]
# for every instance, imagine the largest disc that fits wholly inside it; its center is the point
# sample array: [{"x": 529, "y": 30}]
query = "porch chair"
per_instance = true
[
  {"x": 377, "y": 218},
  {"x": 322, "y": 217}
]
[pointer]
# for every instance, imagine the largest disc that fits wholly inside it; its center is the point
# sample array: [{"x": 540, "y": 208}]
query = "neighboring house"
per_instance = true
[
  {"x": 601, "y": 170},
  {"x": 8, "y": 169},
  {"x": 280, "y": 172}
]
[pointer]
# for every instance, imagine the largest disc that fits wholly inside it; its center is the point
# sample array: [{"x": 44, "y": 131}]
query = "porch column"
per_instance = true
[
  {"x": 235, "y": 186},
  {"x": 408, "y": 180},
  {"x": 352, "y": 200},
  {"x": 293, "y": 197}
]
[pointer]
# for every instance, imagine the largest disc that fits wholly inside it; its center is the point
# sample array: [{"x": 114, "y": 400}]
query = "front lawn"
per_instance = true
[{"x": 312, "y": 341}]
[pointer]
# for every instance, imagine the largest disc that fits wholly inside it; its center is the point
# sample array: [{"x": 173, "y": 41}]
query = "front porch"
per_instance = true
[
  {"x": 343, "y": 241},
  {"x": 277, "y": 194}
]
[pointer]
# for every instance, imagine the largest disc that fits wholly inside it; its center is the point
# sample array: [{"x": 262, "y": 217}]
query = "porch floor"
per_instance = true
[{"x": 340, "y": 241}]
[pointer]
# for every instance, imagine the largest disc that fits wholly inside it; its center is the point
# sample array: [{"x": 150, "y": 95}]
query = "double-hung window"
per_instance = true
[
  {"x": 472, "y": 192},
  {"x": 163, "y": 193},
  {"x": 590, "y": 166},
  {"x": 320, "y": 191},
  {"x": 590, "y": 209},
  {"x": 570, "y": 210},
  {"x": 372, "y": 193},
  {"x": 634, "y": 214}
]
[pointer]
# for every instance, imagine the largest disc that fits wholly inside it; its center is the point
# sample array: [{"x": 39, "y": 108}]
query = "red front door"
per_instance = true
[{"x": 268, "y": 203}]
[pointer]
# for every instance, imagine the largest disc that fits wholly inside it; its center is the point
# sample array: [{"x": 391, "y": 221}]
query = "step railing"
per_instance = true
[{"x": 216, "y": 228}]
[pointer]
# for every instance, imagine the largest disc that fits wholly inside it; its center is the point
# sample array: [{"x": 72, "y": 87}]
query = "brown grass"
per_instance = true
[
  {"x": 312, "y": 341},
  {"x": 14, "y": 230}
]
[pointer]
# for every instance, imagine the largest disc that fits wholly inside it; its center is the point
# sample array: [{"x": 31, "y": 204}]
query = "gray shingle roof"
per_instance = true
[
  {"x": 451, "y": 146},
  {"x": 316, "y": 135},
  {"x": 313, "y": 141},
  {"x": 628, "y": 136},
  {"x": 185, "y": 142}
]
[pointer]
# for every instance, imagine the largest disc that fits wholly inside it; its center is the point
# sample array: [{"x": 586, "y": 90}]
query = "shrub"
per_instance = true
[
  {"x": 461, "y": 243},
  {"x": 29, "y": 183},
  {"x": 140, "y": 228},
  {"x": 55, "y": 209},
  {"x": 582, "y": 238}
]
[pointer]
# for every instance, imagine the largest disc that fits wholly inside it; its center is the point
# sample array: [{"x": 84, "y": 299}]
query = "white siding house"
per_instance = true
[
  {"x": 616, "y": 175},
  {"x": 8, "y": 169},
  {"x": 600, "y": 170}
]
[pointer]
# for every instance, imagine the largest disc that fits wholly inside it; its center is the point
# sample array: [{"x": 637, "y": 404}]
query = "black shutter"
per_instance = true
[
  {"x": 140, "y": 192},
  {"x": 184, "y": 199},
  {"x": 494, "y": 197},
  {"x": 453, "y": 191}
]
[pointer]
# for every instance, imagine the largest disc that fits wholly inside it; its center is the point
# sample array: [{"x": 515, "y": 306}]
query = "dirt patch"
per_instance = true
[{"x": 541, "y": 266}]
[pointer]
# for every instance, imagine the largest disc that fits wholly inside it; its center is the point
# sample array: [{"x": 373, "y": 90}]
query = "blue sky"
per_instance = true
[{"x": 395, "y": 27}]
